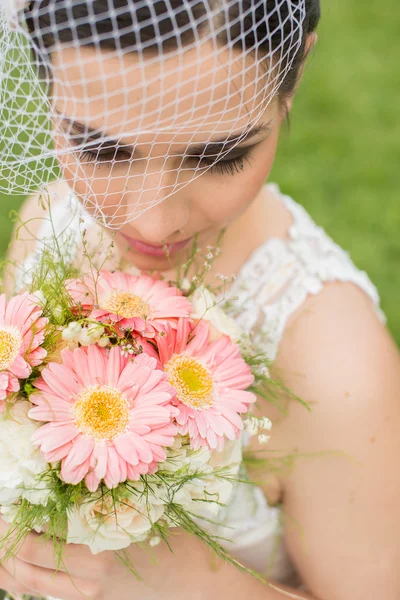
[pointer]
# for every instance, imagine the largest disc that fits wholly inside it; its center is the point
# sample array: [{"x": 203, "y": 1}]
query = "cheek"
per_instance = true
[{"x": 224, "y": 198}]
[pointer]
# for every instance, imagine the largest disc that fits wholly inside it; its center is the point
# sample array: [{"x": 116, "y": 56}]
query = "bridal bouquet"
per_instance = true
[{"x": 123, "y": 403}]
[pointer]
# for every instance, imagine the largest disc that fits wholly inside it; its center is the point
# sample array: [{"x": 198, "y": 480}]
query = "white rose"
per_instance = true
[
  {"x": 103, "y": 525},
  {"x": 226, "y": 464},
  {"x": 204, "y": 495},
  {"x": 9, "y": 513},
  {"x": 205, "y": 307},
  {"x": 181, "y": 456},
  {"x": 20, "y": 463}
]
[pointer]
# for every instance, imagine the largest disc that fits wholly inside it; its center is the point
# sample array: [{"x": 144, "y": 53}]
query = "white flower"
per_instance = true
[
  {"x": 254, "y": 426},
  {"x": 266, "y": 424},
  {"x": 20, "y": 463},
  {"x": 155, "y": 541},
  {"x": 185, "y": 285},
  {"x": 9, "y": 513},
  {"x": 103, "y": 525},
  {"x": 205, "y": 307},
  {"x": 71, "y": 332},
  {"x": 90, "y": 335},
  {"x": 205, "y": 494},
  {"x": 251, "y": 425}
]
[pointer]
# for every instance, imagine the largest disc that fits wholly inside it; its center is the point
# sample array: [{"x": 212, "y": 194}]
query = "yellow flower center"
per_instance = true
[
  {"x": 127, "y": 305},
  {"x": 101, "y": 412},
  {"x": 192, "y": 381},
  {"x": 10, "y": 343}
]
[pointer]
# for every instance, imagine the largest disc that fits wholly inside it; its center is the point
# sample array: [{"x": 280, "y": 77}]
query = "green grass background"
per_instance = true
[{"x": 341, "y": 158}]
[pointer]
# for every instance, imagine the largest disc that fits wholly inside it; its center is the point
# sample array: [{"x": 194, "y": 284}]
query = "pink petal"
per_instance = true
[
  {"x": 50, "y": 408},
  {"x": 99, "y": 459},
  {"x": 81, "y": 450},
  {"x": 58, "y": 453},
  {"x": 126, "y": 448},
  {"x": 159, "y": 453},
  {"x": 76, "y": 475},
  {"x": 158, "y": 438},
  {"x": 36, "y": 357},
  {"x": 51, "y": 438},
  {"x": 20, "y": 368},
  {"x": 60, "y": 381},
  {"x": 200, "y": 340},
  {"x": 143, "y": 449},
  {"x": 92, "y": 481},
  {"x": 123, "y": 469},
  {"x": 133, "y": 473},
  {"x": 2, "y": 308},
  {"x": 112, "y": 476},
  {"x": 114, "y": 365}
]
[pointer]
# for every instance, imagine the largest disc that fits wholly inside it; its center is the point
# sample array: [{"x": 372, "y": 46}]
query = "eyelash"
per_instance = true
[{"x": 223, "y": 167}]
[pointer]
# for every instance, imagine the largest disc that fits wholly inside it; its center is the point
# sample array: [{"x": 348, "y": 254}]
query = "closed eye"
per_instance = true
[
  {"x": 232, "y": 163},
  {"x": 104, "y": 153}
]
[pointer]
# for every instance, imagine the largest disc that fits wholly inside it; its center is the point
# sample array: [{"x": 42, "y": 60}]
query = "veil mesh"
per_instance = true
[{"x": 130, "y": 100}]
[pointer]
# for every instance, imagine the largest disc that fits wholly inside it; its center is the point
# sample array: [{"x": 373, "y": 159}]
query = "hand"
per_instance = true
[
  {"x": 103, "y": 576},
  {"x": 191, "y": 571},
  {"x": 34, "y": 570}
]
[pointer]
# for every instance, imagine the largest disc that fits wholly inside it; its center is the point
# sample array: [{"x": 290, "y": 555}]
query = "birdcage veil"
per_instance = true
[{"x": 136, "y": 97}]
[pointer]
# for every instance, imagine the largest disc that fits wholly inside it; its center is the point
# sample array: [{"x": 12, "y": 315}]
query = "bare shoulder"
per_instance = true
[
  {"x": 336, "y": 353},
  {"x": 341, "y": 494},
  {"x": 32, "y": 216}
]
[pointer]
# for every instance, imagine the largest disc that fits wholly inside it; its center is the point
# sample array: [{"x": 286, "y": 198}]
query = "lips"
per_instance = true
[{"x": 156, "y": 251}]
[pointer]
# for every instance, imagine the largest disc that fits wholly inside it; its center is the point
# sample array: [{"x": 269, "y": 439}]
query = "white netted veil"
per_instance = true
[{"x": 134, "y": 97}]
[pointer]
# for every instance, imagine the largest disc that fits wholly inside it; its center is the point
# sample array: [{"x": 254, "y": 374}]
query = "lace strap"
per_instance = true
[{"x": 282, "y": 273}]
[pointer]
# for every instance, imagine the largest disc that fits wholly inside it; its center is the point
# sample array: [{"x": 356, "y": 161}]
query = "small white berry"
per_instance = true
[
  {"x": 266, "y": 424},
  {"x": 72, "y": 331},
  {"x": 154, "y": 541},
  {"x": 95, "y": 331},
  {"x": 251, "y": 425}
]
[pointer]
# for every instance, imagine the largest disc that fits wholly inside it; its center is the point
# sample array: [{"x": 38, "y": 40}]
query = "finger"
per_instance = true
[
  {"x": 11, "y": 585},
  {"x": 46, "y": 582},
  {"x": 77, "y": 560}
]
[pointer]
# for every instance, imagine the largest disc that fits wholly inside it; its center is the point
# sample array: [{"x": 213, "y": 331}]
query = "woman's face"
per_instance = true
[{"x": 91, "y": 91}]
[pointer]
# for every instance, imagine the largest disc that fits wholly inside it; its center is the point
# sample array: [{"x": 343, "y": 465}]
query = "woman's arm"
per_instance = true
[{"x": 342, "y": 507}]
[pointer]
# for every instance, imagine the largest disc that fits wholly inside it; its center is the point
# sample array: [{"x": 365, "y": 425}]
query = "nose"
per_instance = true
[{"x": 167, "y": 213}]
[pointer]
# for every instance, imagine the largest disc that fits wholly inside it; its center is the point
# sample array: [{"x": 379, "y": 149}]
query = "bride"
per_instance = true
[{"x": 165, "y": 122}]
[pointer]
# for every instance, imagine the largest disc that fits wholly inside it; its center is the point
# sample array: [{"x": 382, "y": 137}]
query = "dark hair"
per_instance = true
[{"x": 143, "y": 23}]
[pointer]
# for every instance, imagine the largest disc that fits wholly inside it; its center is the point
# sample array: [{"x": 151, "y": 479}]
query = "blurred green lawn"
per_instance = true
[{"x": 341, "y": 159}]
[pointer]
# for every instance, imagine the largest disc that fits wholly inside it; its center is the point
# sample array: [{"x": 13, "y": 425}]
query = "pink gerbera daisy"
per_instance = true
[
  {"x": 22, "y": 330},
  {"x": 108, "y": 417},
  {"x": 210, "y": 380},
  {"x": 139, "y": 303}
]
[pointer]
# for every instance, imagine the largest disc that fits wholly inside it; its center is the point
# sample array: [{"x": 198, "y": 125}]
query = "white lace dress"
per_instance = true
[{"x": 271, "y": 286}]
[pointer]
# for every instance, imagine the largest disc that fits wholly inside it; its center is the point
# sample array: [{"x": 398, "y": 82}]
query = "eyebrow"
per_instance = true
[{"x": 90, "y": 136}]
